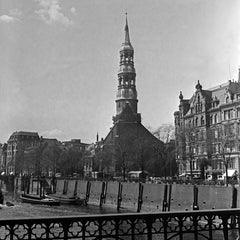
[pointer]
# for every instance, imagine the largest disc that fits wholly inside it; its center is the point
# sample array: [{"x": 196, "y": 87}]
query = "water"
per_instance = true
[{"x": 26, "y": 210}]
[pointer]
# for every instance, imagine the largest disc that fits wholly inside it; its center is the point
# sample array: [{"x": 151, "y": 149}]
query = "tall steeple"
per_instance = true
[{"x": 126, "y": 92}]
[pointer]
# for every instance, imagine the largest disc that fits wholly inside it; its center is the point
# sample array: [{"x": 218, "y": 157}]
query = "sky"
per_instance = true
[{"x": 59, "y": 60}]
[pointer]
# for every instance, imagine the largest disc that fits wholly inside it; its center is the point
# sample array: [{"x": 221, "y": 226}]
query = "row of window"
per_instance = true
[{"x": 196, "y": 122}]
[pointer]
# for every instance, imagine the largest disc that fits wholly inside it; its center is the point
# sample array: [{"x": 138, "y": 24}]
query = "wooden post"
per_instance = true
[
  {"x": 37, "y": 185},
  {"x": 164, "y": 205},
  {"x": 88, "y": 192},
  {"x": 65, "y": 187},
  {"x": 234, "y": 205},
  {"x": 169, "y": 197},
  {"x": 102, "y": 194},
  {"x": 195, "y": 198},
  {"x": 140, "y": 197},
  {"x": 119, "y": 197},
  {"x": 75, "y": 188},
  {"x": 105, "y": 192}
]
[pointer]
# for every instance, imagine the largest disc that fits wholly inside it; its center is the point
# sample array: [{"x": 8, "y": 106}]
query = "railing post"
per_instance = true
[
  {"x": 149, "y": 228},
  {"x": 225, "y": 227}
]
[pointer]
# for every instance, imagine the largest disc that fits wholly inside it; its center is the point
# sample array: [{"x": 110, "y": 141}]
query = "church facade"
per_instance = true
[
  {"x": 129, "y": 143},
  {"x": 207, "y": 130}
]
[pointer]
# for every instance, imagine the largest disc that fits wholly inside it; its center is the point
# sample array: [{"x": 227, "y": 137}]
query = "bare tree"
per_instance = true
[{"x": 226, "y": 145}]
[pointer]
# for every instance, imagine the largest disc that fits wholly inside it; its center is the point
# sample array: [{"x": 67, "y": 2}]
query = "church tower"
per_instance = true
[
  {"x": 128, "y": 140},
  {"x": 126, "y": 92}
]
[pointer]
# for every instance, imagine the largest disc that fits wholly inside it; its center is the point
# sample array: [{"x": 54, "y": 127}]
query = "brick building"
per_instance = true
[{"x": 207, "y": 130}]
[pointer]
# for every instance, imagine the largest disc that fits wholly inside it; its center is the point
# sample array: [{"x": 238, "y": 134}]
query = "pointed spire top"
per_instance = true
[{"x": 127, "y": 37}]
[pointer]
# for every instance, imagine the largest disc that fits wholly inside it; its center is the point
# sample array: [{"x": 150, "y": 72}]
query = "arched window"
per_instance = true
[{"x": 196, "y": 121}]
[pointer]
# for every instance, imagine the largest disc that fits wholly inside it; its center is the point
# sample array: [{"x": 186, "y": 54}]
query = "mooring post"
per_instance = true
[
  {"x": 164, "y": 205},
  {"x": 75, "y": 188},
  {"x": 88, "y": 188},
  {"x": 140, "y": 197},
  {"x": 119, "y": 197},
  {"x": 65, "y": 187},
  {"x": 38, "y": 179},
  {"x": 195, "y": 198},
  {"x": 102, "y": 193},
  {"x": 169, "y": 197},
  {"x": 234, "y": 205}
]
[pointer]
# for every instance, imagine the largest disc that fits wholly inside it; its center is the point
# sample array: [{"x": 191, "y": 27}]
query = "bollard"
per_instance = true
[
  {"x": 140, "y": 197},
  {"x": 165, "y": 204},
  {"x": 119, "y": 197},
  {"x": 195, "y": 198}
]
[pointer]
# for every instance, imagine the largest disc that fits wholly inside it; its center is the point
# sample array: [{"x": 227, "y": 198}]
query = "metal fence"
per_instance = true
[{"x": 213, "y": 224}]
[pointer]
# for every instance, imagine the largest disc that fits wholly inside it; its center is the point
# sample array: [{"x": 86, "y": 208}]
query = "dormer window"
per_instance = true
[{"x": 227, "y": 99}]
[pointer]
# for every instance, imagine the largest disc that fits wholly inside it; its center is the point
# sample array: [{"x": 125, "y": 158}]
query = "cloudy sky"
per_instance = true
[{"x": 59, "y": 60}]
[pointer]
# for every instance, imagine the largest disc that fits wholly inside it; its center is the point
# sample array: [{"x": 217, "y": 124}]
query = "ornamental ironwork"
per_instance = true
[{"x": 211, "y": 224}]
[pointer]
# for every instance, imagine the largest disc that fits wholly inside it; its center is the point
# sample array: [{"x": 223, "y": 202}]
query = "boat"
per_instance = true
[
  {"x": 64, "y": 199},
  {"x": 35, "y": 199}
]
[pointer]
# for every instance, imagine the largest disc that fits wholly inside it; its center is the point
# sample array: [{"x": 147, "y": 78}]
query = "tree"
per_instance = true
[
  {"x": 226, "y": 145},
  {"x": 71, "y": 161}
]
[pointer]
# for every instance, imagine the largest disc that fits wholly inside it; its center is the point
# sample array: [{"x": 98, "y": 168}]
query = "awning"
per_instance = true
[{"x": 231, "y": 172}]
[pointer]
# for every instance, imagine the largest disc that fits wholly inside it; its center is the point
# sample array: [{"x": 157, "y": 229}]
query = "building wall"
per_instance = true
[
  {"x": 204, "y": 123},
  {"x": 16, "y": 145}
]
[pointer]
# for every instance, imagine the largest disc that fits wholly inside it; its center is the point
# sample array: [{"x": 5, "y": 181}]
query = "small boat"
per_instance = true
[
  {"x": 64, "y": 199},
  {"x": 35, "y": 199}
]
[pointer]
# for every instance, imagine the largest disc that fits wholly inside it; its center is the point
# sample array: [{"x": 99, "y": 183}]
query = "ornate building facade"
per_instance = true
[{"x": 207, "y": 130}]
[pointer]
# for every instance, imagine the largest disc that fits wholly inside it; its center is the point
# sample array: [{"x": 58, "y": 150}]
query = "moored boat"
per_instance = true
[
  {"x": 64, "y": 199},
  {"x": 35, "y": 199}
]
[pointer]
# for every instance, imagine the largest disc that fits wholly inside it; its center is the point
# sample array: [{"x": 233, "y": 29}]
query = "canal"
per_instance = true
[{"x": 20, "y": 210}]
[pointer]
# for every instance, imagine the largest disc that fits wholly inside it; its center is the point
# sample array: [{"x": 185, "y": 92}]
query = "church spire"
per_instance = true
[
  {"x": 127, "y": 37},
  {"x": 126, "y": 93}
]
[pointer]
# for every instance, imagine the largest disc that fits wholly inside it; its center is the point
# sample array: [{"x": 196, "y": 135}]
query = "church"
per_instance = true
[{"x": 129, "y": 146}]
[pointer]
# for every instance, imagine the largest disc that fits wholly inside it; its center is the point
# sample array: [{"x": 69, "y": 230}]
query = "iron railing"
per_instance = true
[{"x": 212, "y": 224}]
